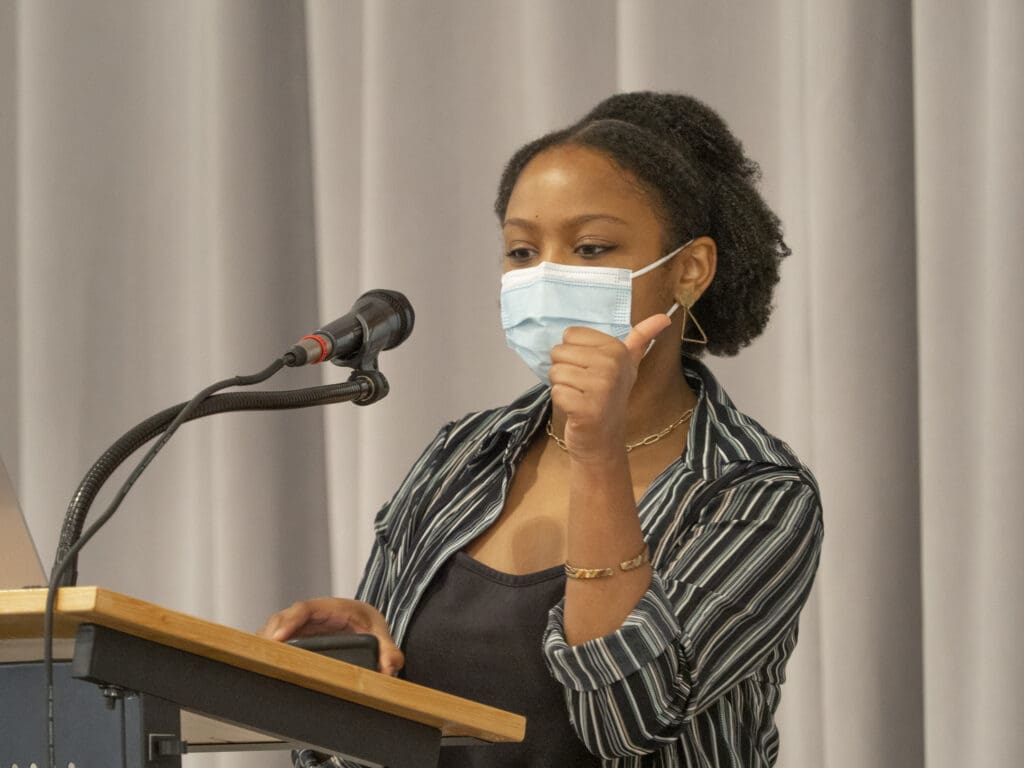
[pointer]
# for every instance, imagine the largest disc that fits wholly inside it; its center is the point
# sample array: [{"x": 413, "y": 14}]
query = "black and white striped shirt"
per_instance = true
[{"x": 693, "y": 675}]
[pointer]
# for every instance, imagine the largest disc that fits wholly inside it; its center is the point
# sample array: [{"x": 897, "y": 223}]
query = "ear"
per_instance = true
[{"x": 697, "y": 269}]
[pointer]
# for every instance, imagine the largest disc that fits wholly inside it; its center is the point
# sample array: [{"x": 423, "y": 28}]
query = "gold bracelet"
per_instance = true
[{"x": 599, "y": 573}]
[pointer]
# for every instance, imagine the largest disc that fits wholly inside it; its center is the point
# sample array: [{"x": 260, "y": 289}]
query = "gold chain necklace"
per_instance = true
[{"x": 649, "y": 440}]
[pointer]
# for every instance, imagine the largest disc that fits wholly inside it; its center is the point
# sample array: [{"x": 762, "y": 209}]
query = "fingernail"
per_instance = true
[{"x": 278, "y": 634}]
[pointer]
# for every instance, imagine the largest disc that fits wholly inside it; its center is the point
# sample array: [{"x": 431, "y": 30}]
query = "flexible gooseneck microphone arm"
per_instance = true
[
  {"x": 380, "y": 319},
  {"x": 363, "y": 388}
]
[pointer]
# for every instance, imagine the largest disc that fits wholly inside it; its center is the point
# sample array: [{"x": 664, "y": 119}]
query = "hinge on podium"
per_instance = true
[{"x": 163, "y": 744}]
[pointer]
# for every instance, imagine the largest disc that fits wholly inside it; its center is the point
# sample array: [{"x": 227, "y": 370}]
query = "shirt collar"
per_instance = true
[
  {"x": 719, "y": 433},
  {"x": 701, "y": 454},
  {"x": 518, "y": 423}
]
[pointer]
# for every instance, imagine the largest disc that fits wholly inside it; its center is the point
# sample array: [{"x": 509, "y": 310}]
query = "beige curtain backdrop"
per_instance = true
[{"x": 187, "y": 187}]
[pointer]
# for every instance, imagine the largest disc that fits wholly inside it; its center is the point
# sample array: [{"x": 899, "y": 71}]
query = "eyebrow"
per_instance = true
[{"x": 574, "y": 221}]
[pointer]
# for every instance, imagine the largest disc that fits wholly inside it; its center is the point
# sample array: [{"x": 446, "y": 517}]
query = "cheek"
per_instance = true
[{"x": 650, "y": 299}]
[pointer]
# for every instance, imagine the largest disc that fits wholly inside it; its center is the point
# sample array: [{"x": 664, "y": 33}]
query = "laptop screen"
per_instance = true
[{"x": 19, "y": 562}]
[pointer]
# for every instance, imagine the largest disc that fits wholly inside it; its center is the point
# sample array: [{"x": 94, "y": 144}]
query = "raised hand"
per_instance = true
[{"x": 591, "y": 375}]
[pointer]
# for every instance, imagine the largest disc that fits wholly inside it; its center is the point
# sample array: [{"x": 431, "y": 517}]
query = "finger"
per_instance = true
[
  {"x": 312, "y": 617},
  {"x": 569, "y": 399},
  {"x": 643, "y": 333},
  {"x": 572, "y": 354},
  {"x": 604, "y": 356},
  {"x": 563, "y": 382},
  {"x": 390, "y": 657},
  {"x": 581, "y": 334},
  {"x": 282, "y": 624},
  {"x": 594, "y": 381},
  {"x": 605, "y": 359},
  {"x": 267, "y": 630}
]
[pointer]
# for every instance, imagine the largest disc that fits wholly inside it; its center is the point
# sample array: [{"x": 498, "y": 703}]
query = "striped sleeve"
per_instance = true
[{"x": 724, "y": 596}]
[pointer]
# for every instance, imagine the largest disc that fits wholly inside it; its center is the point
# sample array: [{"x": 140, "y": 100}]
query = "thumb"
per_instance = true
[
  {"x": 391, "y": 658},
  {"x": 643, "y": 333}
]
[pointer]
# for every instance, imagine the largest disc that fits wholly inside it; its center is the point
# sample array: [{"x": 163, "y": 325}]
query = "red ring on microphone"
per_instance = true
[{"x": 323, "y": 347}]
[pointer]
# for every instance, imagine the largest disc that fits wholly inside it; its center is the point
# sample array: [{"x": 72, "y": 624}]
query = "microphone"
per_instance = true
[{"x": 380, "y": 319}]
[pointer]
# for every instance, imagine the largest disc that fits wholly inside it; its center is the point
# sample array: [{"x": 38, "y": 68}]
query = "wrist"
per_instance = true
[
  {"x": 600, "y": 448},
  {"x": 599, "y": 481},
  {"x": 598, "y": 462}
]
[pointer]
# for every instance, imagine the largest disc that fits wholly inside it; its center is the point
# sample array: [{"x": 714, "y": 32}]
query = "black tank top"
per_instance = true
[{"x": 476, "y": 633}]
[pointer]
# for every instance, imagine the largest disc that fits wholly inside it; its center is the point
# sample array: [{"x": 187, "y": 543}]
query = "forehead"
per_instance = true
[{"x": 571, "y": 181}]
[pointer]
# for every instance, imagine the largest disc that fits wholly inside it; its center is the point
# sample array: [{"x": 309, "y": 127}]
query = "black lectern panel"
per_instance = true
[
  {"x": 91, "y": 729},
  {"x": 290, "y": 712}
]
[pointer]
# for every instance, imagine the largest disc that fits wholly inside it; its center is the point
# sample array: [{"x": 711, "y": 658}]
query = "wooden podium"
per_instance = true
[{"x": 146, "y": 684}]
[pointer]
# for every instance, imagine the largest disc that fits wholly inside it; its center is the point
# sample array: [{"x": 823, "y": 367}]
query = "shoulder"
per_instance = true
[
  {"x": 742, "y": 466},
  {"x": 478, "y": 429},
  {"x": 723, "y": 435}
]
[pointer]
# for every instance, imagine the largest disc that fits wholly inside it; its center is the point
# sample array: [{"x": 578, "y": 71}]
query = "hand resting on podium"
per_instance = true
[{"x": 331, "y": 615}]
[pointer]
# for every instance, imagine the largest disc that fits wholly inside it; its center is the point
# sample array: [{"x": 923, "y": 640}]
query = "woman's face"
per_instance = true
[{"x": 573, "y": 205}]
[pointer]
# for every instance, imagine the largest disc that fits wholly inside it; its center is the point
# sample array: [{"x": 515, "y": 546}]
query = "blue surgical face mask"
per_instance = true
[{"x": 539, "y": 303}]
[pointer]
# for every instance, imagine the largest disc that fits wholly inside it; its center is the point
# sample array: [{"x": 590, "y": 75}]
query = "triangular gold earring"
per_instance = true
[{"x": 688, "y": 315}]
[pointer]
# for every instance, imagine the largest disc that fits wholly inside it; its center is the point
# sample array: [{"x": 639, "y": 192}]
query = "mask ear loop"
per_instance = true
[
  {"x": 671, "y": 311},
  {"x": 659, "y": 262},
  {"x": 675, "y": 305}
]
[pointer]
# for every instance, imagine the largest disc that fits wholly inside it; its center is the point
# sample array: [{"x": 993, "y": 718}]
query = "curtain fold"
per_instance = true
[
  {"x": 859, "y": 210},
  {"x": 186, "y": 188},
  {"x": 969, "y": 109}
]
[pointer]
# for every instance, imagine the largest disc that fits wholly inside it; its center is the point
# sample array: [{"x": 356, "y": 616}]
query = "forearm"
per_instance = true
[{"x": 603, "y": 531}]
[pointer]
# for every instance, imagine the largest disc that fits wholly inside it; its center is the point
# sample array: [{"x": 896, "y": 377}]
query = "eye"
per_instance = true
[
  {"x": 593, "y": 250},
  {"x": 520, "y": 255}
]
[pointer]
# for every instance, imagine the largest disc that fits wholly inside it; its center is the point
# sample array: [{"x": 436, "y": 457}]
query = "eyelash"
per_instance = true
[
  {"x": 601, "y": 249},
  {"x": 510, "y": 254},
  {"x": 525, "y": 254}
]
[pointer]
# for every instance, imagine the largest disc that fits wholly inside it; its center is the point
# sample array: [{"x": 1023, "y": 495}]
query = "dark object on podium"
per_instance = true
[{"x": 361, "y": 650}]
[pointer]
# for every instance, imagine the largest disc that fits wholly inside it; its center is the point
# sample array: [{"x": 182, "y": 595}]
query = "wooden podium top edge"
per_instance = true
[{"x": 21, "y": 616}]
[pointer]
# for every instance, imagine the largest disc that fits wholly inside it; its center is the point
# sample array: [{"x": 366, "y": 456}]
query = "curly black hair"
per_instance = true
[{"x": 686, "y": 159}]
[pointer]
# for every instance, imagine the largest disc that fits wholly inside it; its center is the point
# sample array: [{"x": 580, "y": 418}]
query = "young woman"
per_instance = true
[{"x": 620, "y": 554}]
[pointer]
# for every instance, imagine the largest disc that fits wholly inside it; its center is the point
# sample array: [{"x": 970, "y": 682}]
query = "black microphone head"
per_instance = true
[{"x": 390, "y": 312}]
